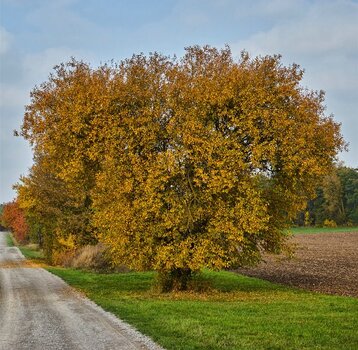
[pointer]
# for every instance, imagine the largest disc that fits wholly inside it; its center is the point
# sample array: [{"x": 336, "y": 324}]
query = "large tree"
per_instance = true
[
  {"x": 185, "y": 164},
  {"x": 211, "y": 160}
]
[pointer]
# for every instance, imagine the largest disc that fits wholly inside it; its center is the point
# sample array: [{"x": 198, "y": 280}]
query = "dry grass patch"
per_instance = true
[{"x": 93, "y": 258}]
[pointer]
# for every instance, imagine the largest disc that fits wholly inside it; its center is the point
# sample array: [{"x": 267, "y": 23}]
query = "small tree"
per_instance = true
[{"x": 13, "y": 218}]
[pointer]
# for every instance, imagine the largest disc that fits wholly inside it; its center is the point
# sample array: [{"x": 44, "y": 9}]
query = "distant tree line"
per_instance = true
[{"x": 336, "y": 201}]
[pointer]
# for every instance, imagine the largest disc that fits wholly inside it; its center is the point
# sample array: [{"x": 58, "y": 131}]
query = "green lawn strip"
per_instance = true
[
  {"x": 32, "y": 253},
  {"x": 299, "y": 230},
  {"x": 9, "y": 240},
  {"x": 238, "y": 312}
]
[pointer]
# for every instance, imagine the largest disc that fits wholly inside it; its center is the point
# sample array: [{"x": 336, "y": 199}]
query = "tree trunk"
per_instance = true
[{"x": 177, "y": 279}]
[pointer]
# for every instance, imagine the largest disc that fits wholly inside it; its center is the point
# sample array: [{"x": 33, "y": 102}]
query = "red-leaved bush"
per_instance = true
[{"x": 13, "y": 218}]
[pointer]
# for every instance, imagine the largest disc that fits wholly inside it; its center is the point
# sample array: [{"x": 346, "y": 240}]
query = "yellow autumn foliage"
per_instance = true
[{"x": 180, "y": 164}]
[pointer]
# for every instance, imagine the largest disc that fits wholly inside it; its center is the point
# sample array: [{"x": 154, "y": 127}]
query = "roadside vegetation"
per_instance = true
[
  {"x": 230, "y": 312},
  {"x": 9, "y": 240},
  {"x": 31, "y": 251}
]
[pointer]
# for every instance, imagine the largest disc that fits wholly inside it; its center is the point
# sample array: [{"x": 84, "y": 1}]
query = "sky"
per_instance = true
[{"x": 35, "y": 35}]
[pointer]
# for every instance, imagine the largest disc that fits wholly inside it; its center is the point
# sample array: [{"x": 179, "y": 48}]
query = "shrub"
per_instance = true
[
  {"x": 329, "y": 223},
  {"x": 93, "y": 257}
]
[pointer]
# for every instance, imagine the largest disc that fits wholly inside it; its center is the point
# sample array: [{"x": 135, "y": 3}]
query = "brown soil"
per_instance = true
[{"x": 326, "y": 263}]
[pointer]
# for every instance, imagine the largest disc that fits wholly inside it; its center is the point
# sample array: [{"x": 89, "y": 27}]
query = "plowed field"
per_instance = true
[{"x": 325, "y": 262}]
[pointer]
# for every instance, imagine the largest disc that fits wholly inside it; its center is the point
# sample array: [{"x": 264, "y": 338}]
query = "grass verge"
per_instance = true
[
  {"x": 299, "y": 230},
  {"x": 31, "y": 252},
  {"x": 236, "y": 313},
  {"x": 9, "y": 240}
]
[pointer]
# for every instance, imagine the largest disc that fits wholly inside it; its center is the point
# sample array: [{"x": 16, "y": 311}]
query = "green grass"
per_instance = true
[
  {"x": 9, "y": 240},
  {"x": 298, "y": 230},
  {"x": 31, "y": 252},
  {"x": 236, "y": 313}
]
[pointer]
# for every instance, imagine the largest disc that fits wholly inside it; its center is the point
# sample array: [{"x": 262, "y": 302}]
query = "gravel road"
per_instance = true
[{"x": 39, "y": 311}]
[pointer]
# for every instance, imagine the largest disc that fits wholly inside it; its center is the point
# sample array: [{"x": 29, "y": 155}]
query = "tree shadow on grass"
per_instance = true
[{"x": 228, "y": 282}]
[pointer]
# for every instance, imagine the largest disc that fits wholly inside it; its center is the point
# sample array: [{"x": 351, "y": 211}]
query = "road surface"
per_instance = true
[{"x": 39, "y": 311}]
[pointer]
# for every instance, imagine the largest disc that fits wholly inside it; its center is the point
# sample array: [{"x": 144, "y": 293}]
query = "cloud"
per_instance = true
[
  {"x": 321, "y": 36},
  {"x": 322, "y": 29},
  {"x": 32, "y": 69},
  {"x": 10, "y": 96},
  {"x": 38, "y": 65},
  {"x": 323, "y": 39},
  {"x": 58, "y": 24},
  {"x": 5, "y": 39}
]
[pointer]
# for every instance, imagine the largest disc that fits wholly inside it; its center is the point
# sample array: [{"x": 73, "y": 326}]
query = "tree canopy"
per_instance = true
[{"x": 177, "y": 164}]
